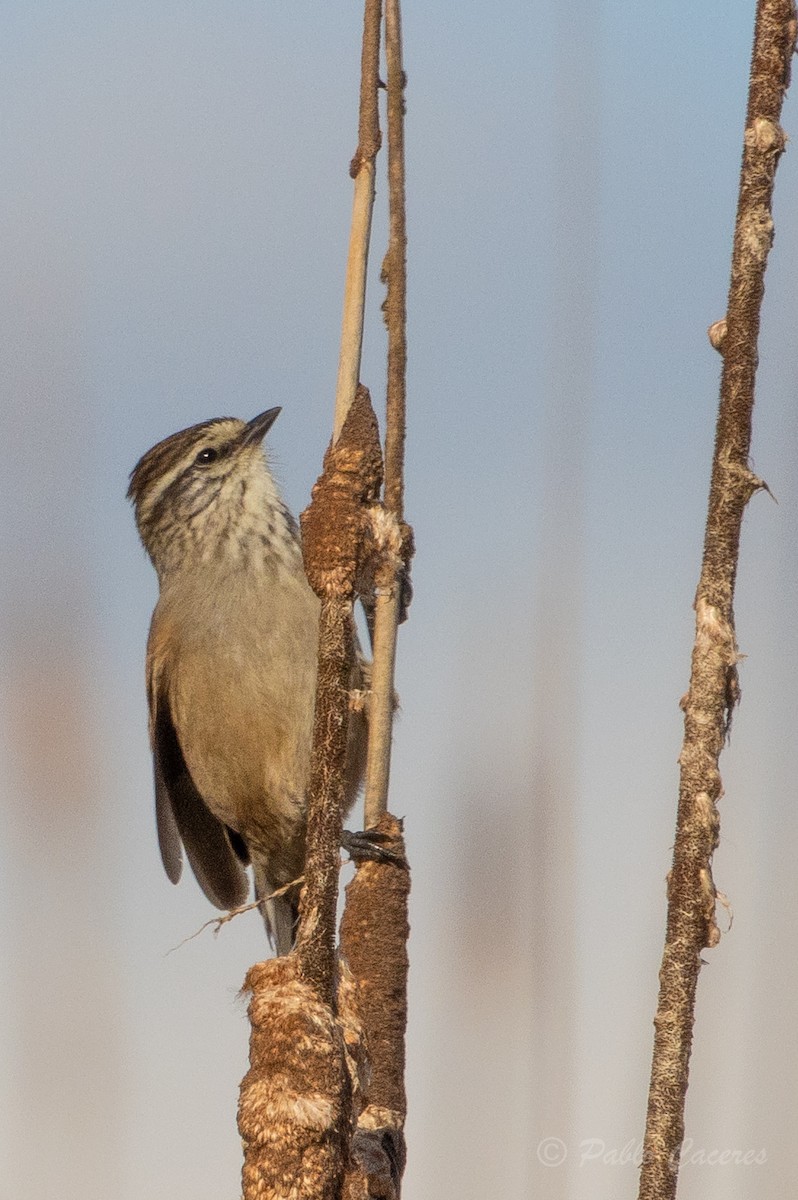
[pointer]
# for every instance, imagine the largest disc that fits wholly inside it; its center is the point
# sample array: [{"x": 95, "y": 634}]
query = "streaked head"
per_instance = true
[{"x": 206, "y": 489}]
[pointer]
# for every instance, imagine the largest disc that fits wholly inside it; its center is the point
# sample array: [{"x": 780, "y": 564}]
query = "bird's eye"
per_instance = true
[{"x": 207, "y": 454}]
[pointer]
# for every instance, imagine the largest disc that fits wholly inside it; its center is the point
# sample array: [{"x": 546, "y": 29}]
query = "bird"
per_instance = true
[{"x": 231, "y": 667}]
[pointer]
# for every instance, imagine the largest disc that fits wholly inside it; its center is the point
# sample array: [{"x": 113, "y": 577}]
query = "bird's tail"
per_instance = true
[{"x": 279, "y": 912}]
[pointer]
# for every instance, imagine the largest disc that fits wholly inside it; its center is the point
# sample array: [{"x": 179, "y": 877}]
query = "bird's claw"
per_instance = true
[{"x": 369, "y": 845}]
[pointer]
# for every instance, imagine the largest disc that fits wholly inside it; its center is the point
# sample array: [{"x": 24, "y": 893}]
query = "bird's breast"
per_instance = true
[{"x": 241, "y": 684}]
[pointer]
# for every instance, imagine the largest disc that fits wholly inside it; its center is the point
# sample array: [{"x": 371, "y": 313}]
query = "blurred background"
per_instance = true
[{"x": 175, "y": 212}]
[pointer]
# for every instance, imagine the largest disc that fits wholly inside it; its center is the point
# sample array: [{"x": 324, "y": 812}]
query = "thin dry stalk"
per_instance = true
[
  {"x": 378, "y": 760},
  {"x": 388, "y": 580},
  {"x": 714, "y": 688},
  {"x": 362, "y": 169},
  {"x": 395, "y": 266}
]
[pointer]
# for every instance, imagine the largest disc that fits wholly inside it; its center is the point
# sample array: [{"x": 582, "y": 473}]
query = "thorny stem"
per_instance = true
[{"x": 714, "y": 688}]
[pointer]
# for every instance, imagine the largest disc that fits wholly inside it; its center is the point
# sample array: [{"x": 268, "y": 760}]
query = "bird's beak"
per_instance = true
[{"x": 256, "y": 429}]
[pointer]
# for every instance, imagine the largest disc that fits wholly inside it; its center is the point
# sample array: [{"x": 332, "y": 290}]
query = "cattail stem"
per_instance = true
[
  {"x": 332, "y": 537},
  {"x": 378, "y": 760},
  {"x": 362, "y": 169},
  {"x": 714, "y": 688},
  {"x": 395, "y": 267},
  {"x": 389, "y": 583}
]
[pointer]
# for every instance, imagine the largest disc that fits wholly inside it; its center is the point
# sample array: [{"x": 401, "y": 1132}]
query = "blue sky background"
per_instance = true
[{"x": 175, "y": 212}]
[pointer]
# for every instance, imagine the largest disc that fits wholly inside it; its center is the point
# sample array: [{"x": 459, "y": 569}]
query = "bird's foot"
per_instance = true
[{"x": 369, "y": 845}]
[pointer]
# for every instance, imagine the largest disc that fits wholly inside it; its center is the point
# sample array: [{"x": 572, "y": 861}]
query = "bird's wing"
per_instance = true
[
  {"x": 168, "y": 834},
  {"x": 181, "y": 812}
]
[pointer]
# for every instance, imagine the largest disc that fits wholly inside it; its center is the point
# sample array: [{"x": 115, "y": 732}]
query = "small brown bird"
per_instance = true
[{"x": 231, "y": 666}]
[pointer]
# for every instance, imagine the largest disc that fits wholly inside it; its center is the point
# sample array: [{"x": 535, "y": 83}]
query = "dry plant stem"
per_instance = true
[
  {"x": 378, "y": 759},
  {"x": 713, "y": 689},
  {"x": 362, "y": 169},
  {"x": 295, "y": 1105},
  {"x": 316, "y": 935},
  {"x": 388, "y": 598},
  {"x": 374, "y": 929},
  {"x": 333, "y": 529},
  {"x": 395, "y": 267},
  {"x": 374, "y": 935},
  {"x": 217, "y": 922}
]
